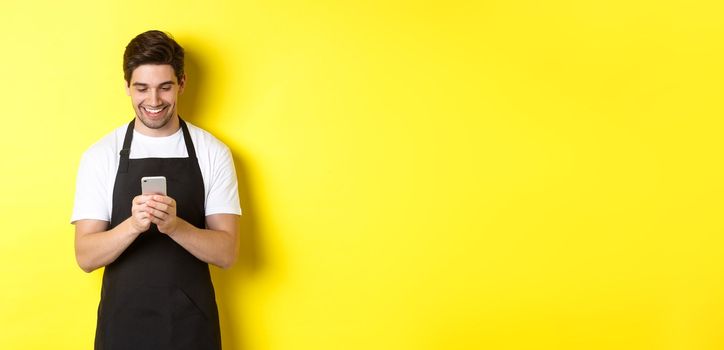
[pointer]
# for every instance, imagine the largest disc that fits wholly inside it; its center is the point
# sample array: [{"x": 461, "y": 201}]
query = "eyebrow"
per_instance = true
[{"x": 145, "y": 85}]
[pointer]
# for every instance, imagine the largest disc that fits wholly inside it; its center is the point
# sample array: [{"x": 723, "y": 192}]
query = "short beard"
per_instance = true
[{"x": 157, "y": 125}]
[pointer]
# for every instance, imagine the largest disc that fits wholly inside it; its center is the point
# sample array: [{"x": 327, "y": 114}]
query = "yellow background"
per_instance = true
[{"x": 414, "y": 175}]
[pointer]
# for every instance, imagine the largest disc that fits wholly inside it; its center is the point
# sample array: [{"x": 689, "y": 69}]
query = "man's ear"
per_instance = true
[
  {"x": 128, "y": 88},
  {"x": 182, "y": 84}
]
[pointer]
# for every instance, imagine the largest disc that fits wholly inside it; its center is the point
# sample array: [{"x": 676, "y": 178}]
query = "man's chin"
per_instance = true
[{"x": 155, "y": 124}]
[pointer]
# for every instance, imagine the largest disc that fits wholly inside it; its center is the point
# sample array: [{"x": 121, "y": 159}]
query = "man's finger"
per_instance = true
[
  {"x": 158, "y": 214},
  {"x": 159, "y": 206},
  {"x": 156, "y": 220},
  {"x": 165, "y": 200},
  {"x": 138, "y": 200}
]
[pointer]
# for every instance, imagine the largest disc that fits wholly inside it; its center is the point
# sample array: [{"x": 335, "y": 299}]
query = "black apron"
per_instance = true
[{"x": 156, "y": 295}]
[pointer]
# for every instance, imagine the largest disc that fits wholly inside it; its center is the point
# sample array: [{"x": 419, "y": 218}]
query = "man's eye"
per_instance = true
[
  {"x": 166, "y": 88},
  {"x": 141, "y": 90}
]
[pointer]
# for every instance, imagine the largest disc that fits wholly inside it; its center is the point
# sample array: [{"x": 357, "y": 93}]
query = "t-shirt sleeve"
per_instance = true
[
  {"x": 91, "y": 189},
  {"x": 223, "y": 195}
]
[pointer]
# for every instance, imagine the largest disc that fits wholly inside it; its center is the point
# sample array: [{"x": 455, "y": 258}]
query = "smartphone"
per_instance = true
[{"x": 153, "y": 185}]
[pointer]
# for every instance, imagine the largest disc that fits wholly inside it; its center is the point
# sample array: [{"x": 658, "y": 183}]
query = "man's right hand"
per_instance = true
[
  {"x": 140, "y": 220},
  {"x": 97, "y": 246}
]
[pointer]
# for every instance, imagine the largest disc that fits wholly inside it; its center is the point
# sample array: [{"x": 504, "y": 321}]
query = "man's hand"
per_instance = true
[
  {"x": 218, "y": 245},
  {"x": 96, "y": 245},
  {"x": 140, "y": 219},
  {"x": 162, "y": 212}
]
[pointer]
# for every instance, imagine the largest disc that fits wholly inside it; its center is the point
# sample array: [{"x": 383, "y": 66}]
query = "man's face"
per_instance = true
[{"x": 154, "y": 91}]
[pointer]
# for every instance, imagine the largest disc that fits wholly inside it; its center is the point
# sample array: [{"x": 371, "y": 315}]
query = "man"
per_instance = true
[{"x": 157, "y": 291}]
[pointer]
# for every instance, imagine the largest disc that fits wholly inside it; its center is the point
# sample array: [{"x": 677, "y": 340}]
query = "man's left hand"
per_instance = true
[{"x": 162, "y": 211}]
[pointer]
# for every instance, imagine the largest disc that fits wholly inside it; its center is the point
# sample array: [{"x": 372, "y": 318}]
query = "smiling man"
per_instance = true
[{"x": 157, "y": 291}]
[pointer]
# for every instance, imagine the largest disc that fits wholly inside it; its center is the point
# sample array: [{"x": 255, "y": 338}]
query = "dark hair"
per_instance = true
[{"x": 153, "y": 47}]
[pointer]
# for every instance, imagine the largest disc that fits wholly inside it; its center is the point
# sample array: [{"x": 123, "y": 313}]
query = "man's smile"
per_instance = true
[{"x": 153, "y": 111}]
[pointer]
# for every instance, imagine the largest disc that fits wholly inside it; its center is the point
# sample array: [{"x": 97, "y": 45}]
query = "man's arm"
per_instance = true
[
  {"x": 218, "y": 244},
  {"x": 96, "y": 246}
]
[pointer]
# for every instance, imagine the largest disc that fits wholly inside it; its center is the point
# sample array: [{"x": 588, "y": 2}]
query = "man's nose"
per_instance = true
[{"x": 155, "y": 99}]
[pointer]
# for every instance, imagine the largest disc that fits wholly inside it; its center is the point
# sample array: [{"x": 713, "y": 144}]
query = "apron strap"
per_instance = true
[
  {"x": 187, "y": 139},
  {"x": 126, "y": 150}
]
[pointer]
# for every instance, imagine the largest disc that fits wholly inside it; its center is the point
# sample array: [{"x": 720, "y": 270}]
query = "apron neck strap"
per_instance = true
[
  {"x": 126, "y": 150},
  {"x": 187, "y": 139}
]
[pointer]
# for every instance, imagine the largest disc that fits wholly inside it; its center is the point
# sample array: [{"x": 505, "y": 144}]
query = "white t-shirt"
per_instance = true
[{"x": 99, "y": 164}]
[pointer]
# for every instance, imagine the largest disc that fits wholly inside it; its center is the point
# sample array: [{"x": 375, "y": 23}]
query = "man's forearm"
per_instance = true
[
  {"x": 94, "y": 249},
  {"x": 211, "y": 246}
]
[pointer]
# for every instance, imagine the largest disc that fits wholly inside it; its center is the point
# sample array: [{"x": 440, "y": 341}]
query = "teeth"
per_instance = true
[{"x": 153, "y": 110}]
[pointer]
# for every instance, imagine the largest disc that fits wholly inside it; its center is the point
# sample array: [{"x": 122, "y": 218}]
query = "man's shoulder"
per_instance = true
[
  {"x": 205, "y": 139},
  {"x": 108, "y": 145}
]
